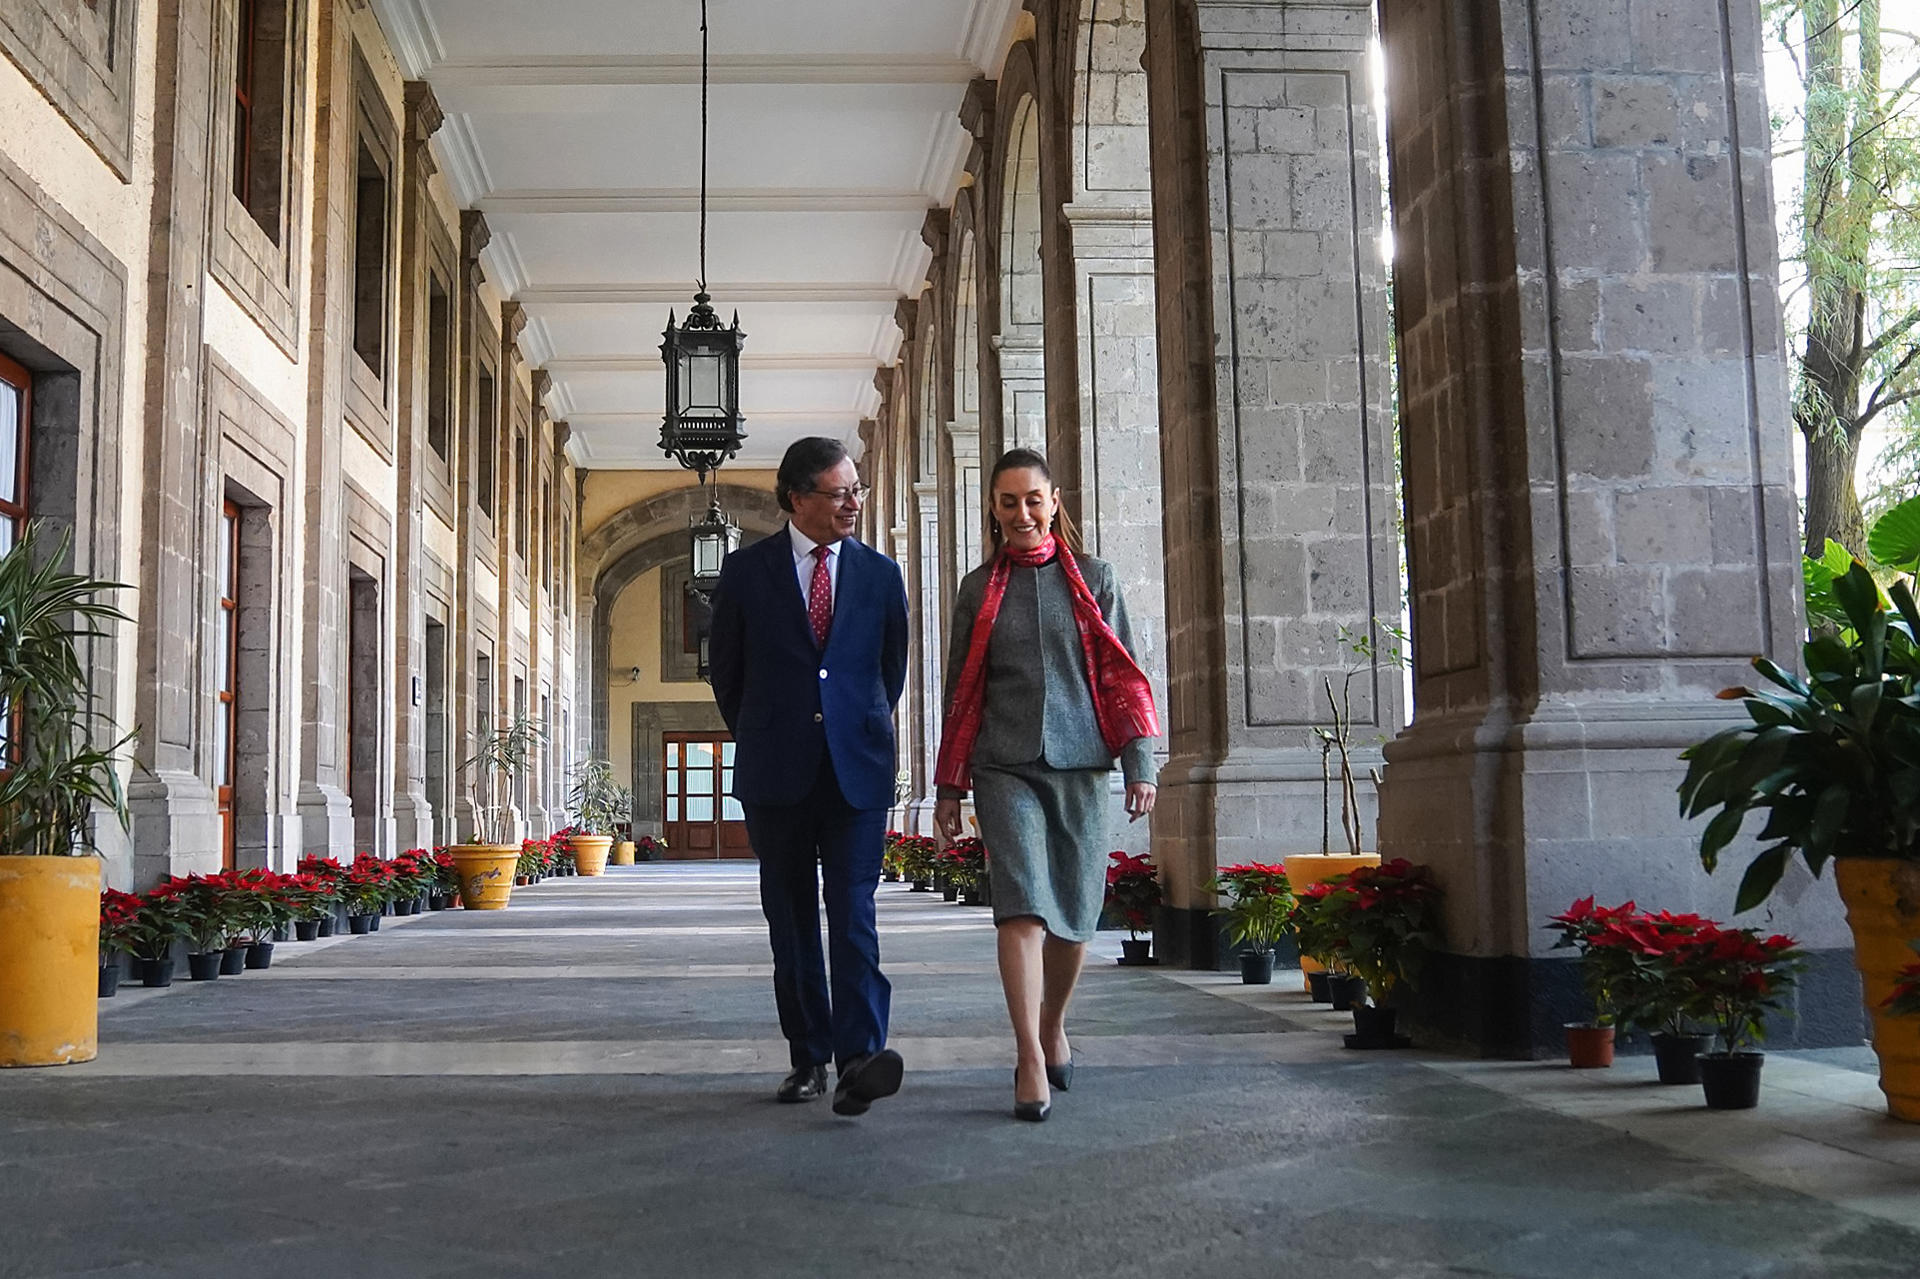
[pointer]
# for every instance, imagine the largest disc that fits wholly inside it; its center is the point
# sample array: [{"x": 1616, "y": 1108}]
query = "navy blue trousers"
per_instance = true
[{"x": 823, "y": 847}]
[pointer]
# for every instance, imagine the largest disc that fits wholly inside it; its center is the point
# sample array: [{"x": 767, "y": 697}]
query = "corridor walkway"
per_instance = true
[{"x": 582, "y": 1086}]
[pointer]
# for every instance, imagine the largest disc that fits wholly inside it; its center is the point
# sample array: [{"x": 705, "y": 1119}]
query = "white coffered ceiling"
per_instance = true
[{"x": 574, "y": 126}]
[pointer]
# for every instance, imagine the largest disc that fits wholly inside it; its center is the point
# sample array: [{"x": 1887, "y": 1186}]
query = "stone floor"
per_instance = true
[{"x": 581, "y": 1086}]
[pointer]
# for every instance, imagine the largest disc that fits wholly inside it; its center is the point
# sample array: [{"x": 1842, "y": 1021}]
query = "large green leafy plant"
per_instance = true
[
  {"x": 595, "y": 798},
  {"x": 1832, "y": 760},
  {"x": 57, "y": 770},
  {"x": 501, "y": 758}
]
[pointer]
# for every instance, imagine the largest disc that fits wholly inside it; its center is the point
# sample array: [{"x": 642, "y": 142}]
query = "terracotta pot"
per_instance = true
[
  {"x": 1313, "y": 868},
  {"x": 49, "y": 945},
  {"x": 1883, "y": 908},
  {"x": 1589, "y": 1047},
  {"x": 590, "y": 853},
  {"x": 486, "y": 874},
  {"x": 622, "y": 854}
]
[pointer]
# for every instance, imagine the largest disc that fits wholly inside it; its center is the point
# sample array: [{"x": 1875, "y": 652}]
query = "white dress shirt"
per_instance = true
[{"x": 803, "y": 564}]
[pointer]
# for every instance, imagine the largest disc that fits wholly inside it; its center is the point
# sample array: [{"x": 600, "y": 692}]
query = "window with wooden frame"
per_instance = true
[
  {"x": 261, "y": 48},
  {"x": 439, "y": 364},
  {"x": 16, "y": 415},
  {"x": 370, "y": 266},
  {"x": 486, "y": 450},
  {"x": 227, "y": 671},
  {"x": 521, "y": 495}
]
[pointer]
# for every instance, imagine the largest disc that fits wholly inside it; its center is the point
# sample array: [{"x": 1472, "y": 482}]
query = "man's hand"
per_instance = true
[
  {"x": 1140, "y": 796},
  {"x": 946, "y": 820}
]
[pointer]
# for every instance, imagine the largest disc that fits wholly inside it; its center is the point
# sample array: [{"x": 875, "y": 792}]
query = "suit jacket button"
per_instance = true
[
  {"x": 817, "y": 717},
  {"x": 823, "y": 673}
]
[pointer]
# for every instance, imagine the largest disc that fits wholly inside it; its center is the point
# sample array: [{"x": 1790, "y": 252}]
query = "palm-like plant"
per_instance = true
[
  {"x": 595, "y": 797},
  {"x": 501, "y": 757},
  {"x": 56, "y": 773}
]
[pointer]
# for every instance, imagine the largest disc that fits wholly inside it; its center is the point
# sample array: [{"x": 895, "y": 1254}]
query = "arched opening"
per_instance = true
[{"x": 1022, "y": 336}]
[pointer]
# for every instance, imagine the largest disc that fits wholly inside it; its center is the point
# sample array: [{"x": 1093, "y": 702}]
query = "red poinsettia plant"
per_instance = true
[
  {"x": 1606, "y": 968},
  {"x": 1311, "y": 925},
  {"x": 1133, "y": 891},
  {"x": 1383, "y": 920},
  {"x": 1259, "y": 902},
  {"x": 1740, "y": 976},
  {"x": 119, "y": 924},
  {"x": 1643, "y": 959},
  {"x": 368, "y": 885},
  {"x": 964, "y": 861}
]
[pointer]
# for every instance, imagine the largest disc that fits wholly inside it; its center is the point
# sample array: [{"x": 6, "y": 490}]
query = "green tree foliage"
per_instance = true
[{"x": 1854, "y": 319}]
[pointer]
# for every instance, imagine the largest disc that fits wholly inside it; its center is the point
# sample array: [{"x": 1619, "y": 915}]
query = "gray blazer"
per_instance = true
[{"x": 1038, "y": 704}]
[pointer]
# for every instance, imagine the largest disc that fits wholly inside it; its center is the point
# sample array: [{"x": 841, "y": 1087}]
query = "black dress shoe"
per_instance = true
[
  {"x": 1034, "y": 1112},
  {"x": 865, "y": 1080},
  {"x": 804, "y": 1084},
  {"x": 1060, "y": 1078}
]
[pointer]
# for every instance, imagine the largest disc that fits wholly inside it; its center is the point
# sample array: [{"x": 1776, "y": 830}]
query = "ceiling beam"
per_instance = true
[
  {"x": 676, "y": 68},
  {"x": 827, "y": 363},
  {"x": 724, "y": 294},
  {"x": 641, "y": 200}
]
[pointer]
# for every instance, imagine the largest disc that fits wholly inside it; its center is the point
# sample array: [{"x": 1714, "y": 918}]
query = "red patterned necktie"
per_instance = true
[{"x": 820, "y": 596}]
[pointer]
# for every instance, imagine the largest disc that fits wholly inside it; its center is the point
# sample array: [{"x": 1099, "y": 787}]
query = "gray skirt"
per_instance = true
[{"x": 1046, "y": 835}]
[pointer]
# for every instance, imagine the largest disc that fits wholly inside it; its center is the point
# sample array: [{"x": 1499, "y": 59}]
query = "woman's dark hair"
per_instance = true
[
  {"x": 1029, "y": 459},
  {"x": 805, "y": 461}
]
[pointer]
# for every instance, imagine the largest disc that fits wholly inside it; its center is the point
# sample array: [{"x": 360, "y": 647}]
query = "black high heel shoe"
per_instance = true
[
  {"x": 1060, "y": 1078},
  {"x": 1034, "y": 1112}
]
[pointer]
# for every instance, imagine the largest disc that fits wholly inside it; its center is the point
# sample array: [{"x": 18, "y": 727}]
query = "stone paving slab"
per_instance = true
[{"x": 334, "y": 1116}]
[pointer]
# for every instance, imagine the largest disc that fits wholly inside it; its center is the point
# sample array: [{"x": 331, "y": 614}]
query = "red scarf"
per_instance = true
[{"x": 1122, "y": 698}]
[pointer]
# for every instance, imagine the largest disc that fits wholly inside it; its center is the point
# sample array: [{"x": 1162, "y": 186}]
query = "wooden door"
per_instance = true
[
  {"x": 703, "y": 822},
  {"x": 226, "y": 733}
]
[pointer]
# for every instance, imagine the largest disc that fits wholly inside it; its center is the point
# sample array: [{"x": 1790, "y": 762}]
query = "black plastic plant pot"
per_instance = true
[
  {"x": 326, "y": 926},
  {"x": 1344, "y": 990},
  {"x": 110, "y": 978},
  {"x": 306, "y": 929},
  {"x": 1136, "y": 950},
  {"x": 1731, "y": 1081},
  {"x": 260, "y": 955},
  {"x": 361, "y": 925},
  {"x": 156, "y": 972},
  {"x": 233, "y": 960},
  {"x": 1256, "y": 967},
  {"x": 1318, "y": 982},
  {"x": 204, "y": 967},
  {"x": 1677, "y": 1057}
]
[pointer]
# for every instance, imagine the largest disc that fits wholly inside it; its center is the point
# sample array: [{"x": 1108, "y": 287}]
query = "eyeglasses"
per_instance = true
[{"x": 857, "y": 493}]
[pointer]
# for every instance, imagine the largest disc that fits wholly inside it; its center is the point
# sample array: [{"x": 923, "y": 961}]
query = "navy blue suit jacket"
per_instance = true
[{"x": 784, "y": 699}]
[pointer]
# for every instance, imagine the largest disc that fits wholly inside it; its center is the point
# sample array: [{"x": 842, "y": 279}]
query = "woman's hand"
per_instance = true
[
  {"x": 946, "y": 820},
  {"x": 1140, "y": 796}
]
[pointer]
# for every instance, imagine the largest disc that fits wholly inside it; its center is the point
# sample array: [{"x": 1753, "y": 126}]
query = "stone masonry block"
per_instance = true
[
  {"x": 1287, "y": 129},
  {"x": 1589, "y": 516},
  {"x": 1594, "y": 201},
  {"x": 1690, "y": 213},
  {"x": 1582, "y": 33},
  {"x": 1715, "y": 612},
  {"x": 1337, "y": 577},
  {"x": 1607, "y": 417},
  {"x": 1616, "y": 611},
  {"x": 1663, "y": 526},
  {"x": 1700, "y": 420},
  {"x": 1733, "y": 525},
  {"x": 1676, "y": 35},
  {"x": 1649, "y": 314},
  {"x": 1633, "y": 111},
  {"x": 1323, "y": 192},
  {"x": 1566, "y": 111}
]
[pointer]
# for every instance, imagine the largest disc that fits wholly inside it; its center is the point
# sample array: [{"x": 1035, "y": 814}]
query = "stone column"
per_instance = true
[
  {"x": 412, "y": 812},
  {"x": 930, "y": 628},
  {"x": 467, "y": 715},
  {"x": 1600, "y": 493},
  {"x": 1023, "y": 386},
  {"x": 176, "y": 822},
  {"x": 326, "y": 814},
  {"x": 1276, "y": 455}
]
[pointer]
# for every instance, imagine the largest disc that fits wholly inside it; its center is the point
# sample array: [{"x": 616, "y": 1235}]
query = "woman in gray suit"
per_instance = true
[{"x": 1042, "y": 693}]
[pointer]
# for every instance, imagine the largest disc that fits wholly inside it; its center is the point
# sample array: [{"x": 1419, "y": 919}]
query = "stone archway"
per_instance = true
[{"x": 645, "y": 536}]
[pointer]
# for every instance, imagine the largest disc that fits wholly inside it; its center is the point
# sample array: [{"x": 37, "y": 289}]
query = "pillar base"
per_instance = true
[
  {"x": 326, "y": 821},
  {"x": 175, "y": 823}
]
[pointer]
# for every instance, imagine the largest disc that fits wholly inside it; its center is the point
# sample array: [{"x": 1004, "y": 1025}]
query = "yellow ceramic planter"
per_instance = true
[
  {"x": 486, "y": 874},
  {"x": 1883, "y": 908},
  {"x": 590, "y": 853},
  {"x": 49, "y": 960},
  {"x": 1313, "y": 868},
  {"x": 622, "y": 854}
]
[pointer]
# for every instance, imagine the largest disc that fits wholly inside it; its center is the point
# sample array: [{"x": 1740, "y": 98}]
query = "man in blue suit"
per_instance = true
[{"x": 808, "y": 652}]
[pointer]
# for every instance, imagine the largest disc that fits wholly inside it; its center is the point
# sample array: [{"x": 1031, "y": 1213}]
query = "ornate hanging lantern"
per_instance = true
[{"x": 702, "y": 426}]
